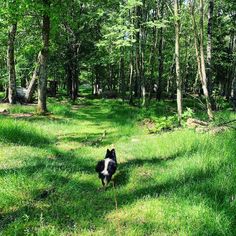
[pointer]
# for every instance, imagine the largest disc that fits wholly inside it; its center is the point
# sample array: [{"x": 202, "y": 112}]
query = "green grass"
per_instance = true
[{"x": 173, "y": 183}]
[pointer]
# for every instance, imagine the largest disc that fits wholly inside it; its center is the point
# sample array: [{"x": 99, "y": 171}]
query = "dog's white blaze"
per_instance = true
[{"x": 105, "y": 171}]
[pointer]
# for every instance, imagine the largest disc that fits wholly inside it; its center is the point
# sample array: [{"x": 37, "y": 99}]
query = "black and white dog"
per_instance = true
[{"x": 107, "y": 167}]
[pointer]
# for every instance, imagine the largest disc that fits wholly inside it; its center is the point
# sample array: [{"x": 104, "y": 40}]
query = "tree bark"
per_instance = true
[
  {"x": 203, "y": 68},
  {"x": 138, "y": 54},
  {"x": 32, "y": 85},
  {"x": 200, "y": 56},
  {"x": 131, "y": 79},
  {"x": 160, "y": 56},
  {"x": 233, "y": 84},
  {"x": 122, "y": 75},
  {"x": 97, "y": 80},
  {"x": 43, "y": 56},
  {"x": 11, "y": 64},
  {"x": 209, "y": 45},
  {"x": 72, "y": 71},
  {"x": 131, "y": 64},
  {"x": 177, "y": 61}
]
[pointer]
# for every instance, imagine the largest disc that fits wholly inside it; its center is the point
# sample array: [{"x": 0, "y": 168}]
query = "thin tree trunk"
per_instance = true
[
  {"x": 233, "y": 84},
  {"x": 96, "y": 85},
  {"x": 131, "y": 80},
  {"x": 160, "y": 56},
  {"x": 196, "y": 41},
  {"x": 122, "y": 75},
  {"x": 152, "y": 63},
  {"x": 209, "y": 44},
  {"x": 72, "y": 70},
  {"x": 138, "y": 56},
  {"x": 143, "y": 38},
  {"x": 203, "y": 68},
  {"x": 11, "y": 64},
  {"x": 170, "y": 90},
  {"x": 233, "y": 91},
  {"x": 131, "y": 64},
  {"x": 177, "y": 61},
  {"x": 42, "y": 85},
  {"x": 200, "y": 56},
  {"x": 110, "y": 83}
]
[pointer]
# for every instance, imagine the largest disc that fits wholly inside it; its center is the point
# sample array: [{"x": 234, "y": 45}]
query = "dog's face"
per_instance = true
[
  {"x": 111, "y": 154},
  {"x": 107, "y": 167}
]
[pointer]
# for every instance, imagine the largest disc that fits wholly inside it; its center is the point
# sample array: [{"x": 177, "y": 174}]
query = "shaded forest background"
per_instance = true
[{"x": 134, "y": 50}]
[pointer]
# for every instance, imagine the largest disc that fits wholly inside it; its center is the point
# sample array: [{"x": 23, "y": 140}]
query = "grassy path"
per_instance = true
[{"x": 176, "y": 183}]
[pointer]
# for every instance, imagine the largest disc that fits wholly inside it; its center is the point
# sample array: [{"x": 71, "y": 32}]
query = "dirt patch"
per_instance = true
[
  {"x": 4, "y": 112},
  {"x": 20, "y": 115},
  {"x": 149, "y": 124}
]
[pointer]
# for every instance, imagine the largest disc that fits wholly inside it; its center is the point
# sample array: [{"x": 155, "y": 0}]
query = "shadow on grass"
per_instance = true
[
  {"x": 94, "y": 139},
  {"x": 123, "y": 174},
  {"x": 74, "y": 200},
  {"x": 59, "y": 162},
  {"x": 21, "y": 134}
]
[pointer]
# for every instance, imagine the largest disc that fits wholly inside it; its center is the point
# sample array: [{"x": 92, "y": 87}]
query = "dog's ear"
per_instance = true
[
  {"x": 108, "y": 153},
  {"x": 99, "y": 166},
  {"x": 113, "y": 154}
]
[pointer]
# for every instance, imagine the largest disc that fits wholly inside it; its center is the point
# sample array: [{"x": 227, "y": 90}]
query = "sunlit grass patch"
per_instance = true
[{"x": 177, "y": 216}]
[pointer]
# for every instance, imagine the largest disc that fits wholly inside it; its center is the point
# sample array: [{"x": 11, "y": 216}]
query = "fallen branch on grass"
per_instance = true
[{"x": 203, "y": 127}]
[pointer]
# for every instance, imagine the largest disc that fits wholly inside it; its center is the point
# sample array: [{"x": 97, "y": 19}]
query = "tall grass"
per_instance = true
[
  {"x": 173, "y": 183},
  {"x": 21, "y": 133}
]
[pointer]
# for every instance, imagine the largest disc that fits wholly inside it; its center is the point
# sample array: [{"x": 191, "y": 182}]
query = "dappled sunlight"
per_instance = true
[{"x": 181, "y": 182}]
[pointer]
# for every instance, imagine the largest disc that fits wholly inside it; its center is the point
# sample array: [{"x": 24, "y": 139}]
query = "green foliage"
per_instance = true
[
  {"x": 166, "y": 123},
  {"x": 189, "y": 113}
]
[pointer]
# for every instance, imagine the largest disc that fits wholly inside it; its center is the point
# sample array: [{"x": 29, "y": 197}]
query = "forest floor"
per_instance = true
[{"x": 170, "y": 183}]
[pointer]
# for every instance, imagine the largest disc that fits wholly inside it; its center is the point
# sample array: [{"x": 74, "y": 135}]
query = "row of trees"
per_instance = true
[{"x": 135, "y": 49}]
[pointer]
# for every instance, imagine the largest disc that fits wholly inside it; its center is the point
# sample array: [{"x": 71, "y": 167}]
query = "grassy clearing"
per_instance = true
[{"x": 175, "y": 183}]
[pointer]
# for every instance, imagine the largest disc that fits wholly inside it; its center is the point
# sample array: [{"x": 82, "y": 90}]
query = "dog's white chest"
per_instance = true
[{"x": 106, "y": 163}]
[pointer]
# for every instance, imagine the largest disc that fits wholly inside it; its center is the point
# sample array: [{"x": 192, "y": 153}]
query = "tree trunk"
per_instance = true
[
  {"x": 209, "y": 45},
  {"x": 138, "y": 55},
  {"x": 110, "y": 83},
  {"x": 142, "y": 48},
  {"x": 42, "y": 85},
  {"x": 122, "y": 75},
  {"x": 97, "y": 80},
  {"x": 131, "y": 64},
  {"x": 200, "y": 56},
  {"x": 11, "y": 64},
  {"x": 32, "y": 85},
  {"x": 160, "y": 56},
  {"x": 170, "y": 86},
  {"x": 74, "y": 85},
  {"x": 233, "y": 84},
  {"x": 203, "y": 68},
  {"x": 177, "y": 61},
  {"x": 152, "y": 64},
  {"x": 131, "y": 80}
]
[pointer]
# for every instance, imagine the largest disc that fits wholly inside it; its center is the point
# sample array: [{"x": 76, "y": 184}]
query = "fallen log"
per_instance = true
[{"x": 194, "y": 123}]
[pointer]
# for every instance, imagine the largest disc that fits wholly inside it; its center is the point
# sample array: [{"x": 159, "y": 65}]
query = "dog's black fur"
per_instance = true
[{"x": 110, "y": 163}]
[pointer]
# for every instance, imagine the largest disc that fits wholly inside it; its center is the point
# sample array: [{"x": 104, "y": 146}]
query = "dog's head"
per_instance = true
[{"x": 111, "y": 154}]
